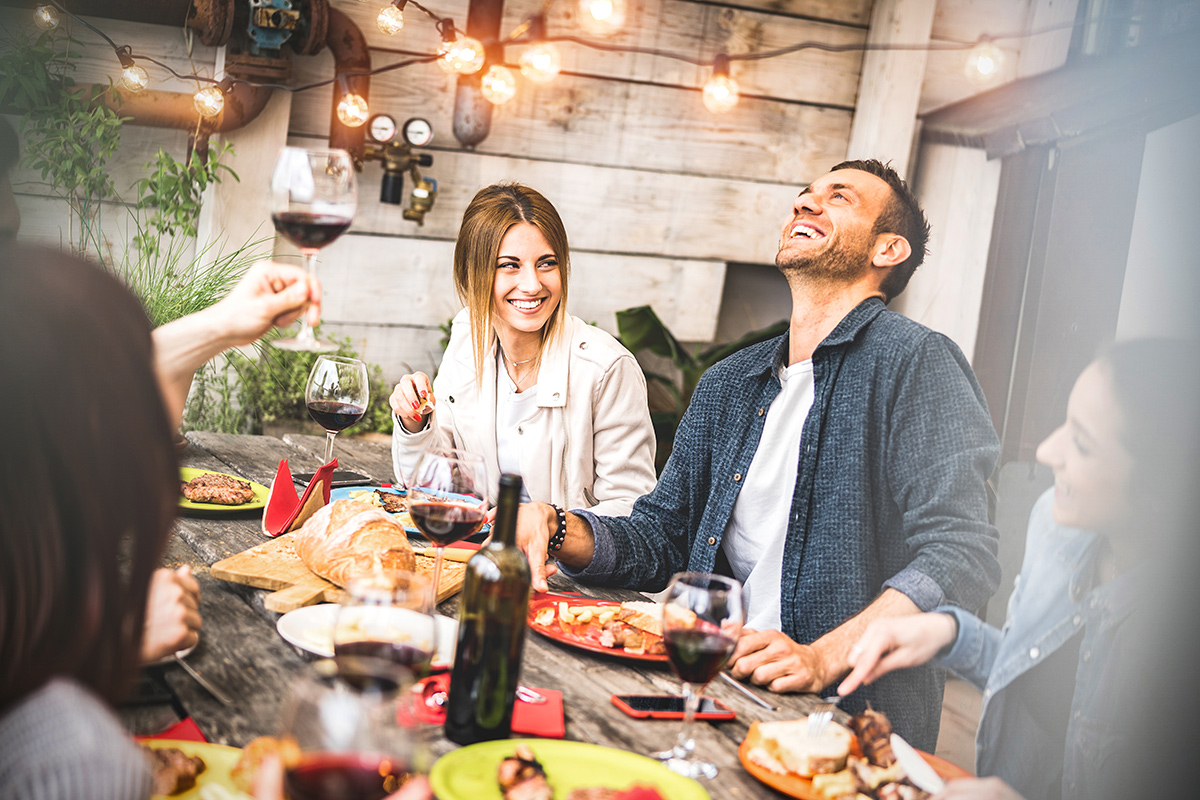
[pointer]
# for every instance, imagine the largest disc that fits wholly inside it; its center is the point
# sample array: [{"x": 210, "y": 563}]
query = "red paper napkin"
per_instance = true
[
  {"x": 531, "y": 719},
  {"x": 286, "y": 510},
  {"x": 185, "y": 730}
]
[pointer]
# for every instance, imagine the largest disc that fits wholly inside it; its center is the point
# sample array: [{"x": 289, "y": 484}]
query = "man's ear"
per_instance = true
[{"x": 890, "y": 249}]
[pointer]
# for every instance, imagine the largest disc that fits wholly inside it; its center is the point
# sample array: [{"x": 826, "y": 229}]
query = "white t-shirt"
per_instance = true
[
  {"x": 512, "y": 408},
  {"x": 757, "y": 530}
]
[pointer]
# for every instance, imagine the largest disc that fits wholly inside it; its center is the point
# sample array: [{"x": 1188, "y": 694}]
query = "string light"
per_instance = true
[
  {"x": 601, "y": 17},
  {"x": 209, "y": 101},
  {"x": 984, "y": 63},
  {"x": 459, "y": 54},
  {"x": 352, "y": 110},
  {"x": 721, "y": 91},
  {"x": 45, "y": 17},
  {"x": 391, "y": 19},
  {"x": 134, "y": 78},
  {"x": 499, "y": 85}
]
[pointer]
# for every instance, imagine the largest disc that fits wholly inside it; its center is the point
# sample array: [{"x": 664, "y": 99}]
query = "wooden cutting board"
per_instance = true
[{"x": 275, "y": 565}]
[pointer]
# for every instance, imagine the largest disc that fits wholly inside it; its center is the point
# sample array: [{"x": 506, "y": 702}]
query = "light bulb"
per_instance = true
[
  {"x": 46, "y": 17},
  {"x": 464, "y": 56},
  {"x": 984, "y": 63},
  {"x": 720, "y": 93},
  {"x": 601, "y": 16},
  {"x": 541, "y": 62},
  {"x": 499, "y": 85},
  {"x": 390, "y": 20},
  {"x": 209, "y": 101},
  {"x": 352, "y": 110},
  {"x": 134, "y": 78}
]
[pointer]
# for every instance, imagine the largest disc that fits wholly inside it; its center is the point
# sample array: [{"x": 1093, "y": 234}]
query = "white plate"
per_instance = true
[{"x": 311, "y": 628}]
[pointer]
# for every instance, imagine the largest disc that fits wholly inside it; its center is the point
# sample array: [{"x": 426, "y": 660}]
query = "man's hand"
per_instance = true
[
  {"x": 536, "y": 523},
  {"x": 977, "y": 789},
  {"x": 269, "y": 294},
  {"x": 172, "y": 614},
  {"x": 896, "y": 643},
  {"x": 772, "y": 659}
]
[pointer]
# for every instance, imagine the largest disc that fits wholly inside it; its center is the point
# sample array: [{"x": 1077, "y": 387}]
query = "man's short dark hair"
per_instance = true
[
  {"x": 903, "y": 216},
  {"x": 9, "y": 147}
]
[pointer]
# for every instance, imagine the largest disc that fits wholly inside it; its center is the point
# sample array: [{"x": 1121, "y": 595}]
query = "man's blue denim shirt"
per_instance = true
[{"x": 890, "y": 490}]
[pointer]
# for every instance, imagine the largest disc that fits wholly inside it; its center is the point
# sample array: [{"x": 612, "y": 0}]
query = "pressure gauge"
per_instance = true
[
  {"x": 418, "y": 132},
  {"x": 382, "y": 128}
]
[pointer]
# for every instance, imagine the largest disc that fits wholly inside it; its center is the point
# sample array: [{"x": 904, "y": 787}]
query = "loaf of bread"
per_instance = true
[
  {"x": 784, "y": 746},
  {"x": 345, "y": 540}
]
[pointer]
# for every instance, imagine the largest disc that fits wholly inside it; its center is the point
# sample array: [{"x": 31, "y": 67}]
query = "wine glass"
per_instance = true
[
  {"x": 336, "y": 394},
  {"x": 447, "y": 498},
  {"x": 384, "y": 619},
  {"x": 313, "y": 199},
  {"x": 702, "y": 620},
  {"x": 341, "y": 740}
]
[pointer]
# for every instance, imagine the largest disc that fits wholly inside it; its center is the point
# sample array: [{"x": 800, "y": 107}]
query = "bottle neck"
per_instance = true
[{"x": 504, "y": 530}]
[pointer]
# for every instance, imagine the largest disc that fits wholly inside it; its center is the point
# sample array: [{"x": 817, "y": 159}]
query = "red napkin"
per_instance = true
[
  {"x": 531, "y": 719},
  {"x": 287, "y": 510},
  {"x": 185, "y": 730}
]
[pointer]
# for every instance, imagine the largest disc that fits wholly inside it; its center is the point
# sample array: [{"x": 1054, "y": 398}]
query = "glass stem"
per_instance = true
[
  {"x": 437, "y": 577},
  {"x": 306, "y": 331},
  {"x": 691, "y": 703},
  {"x": 329, "y": 437}
]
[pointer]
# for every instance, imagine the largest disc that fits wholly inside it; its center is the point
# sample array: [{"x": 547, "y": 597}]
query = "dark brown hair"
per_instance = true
[
  {"x": 903, "y": 216},
  {"x": 487, "y": 219},
  {"x": 88, "y": 476}
]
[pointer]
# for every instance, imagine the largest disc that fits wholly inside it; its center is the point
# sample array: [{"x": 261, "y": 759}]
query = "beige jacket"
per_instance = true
[{"x": 590, "y": 443}]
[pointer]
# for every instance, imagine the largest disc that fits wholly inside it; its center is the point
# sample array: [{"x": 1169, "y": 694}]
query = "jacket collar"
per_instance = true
[{"x": 843, "y": 333}]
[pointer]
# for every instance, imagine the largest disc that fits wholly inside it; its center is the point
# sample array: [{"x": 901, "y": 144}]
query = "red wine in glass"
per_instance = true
[
  {"x": 445, "y": 523},
  {"x": 344, "y": 776},
  {"x": 362, "y": 658},
  {"x": 697, "y": 655},
  {"x": 334, "y": 416},
  {"x": 310, "y": 231}
]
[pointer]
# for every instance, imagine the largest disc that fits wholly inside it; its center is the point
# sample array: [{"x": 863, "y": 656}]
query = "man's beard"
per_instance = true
[{"x": 845, "y": 262}]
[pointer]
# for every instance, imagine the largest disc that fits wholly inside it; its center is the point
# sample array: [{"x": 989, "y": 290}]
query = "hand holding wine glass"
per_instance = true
[
  {"x": 702, "y": 620},
  {"x": 447, "y": 498},
  {"x": 337, "y": 394},
  {"x": 313, "y": 199}
]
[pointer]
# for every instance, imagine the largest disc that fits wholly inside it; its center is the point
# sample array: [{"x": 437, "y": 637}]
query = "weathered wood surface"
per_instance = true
[{"x": 240, "y": 651}]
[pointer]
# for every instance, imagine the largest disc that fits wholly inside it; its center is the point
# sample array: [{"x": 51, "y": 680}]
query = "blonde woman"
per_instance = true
[{"x": 523, "y": 383}]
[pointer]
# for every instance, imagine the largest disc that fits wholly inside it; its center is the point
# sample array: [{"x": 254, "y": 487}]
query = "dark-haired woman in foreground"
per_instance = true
[{"x": 1063, "y": 679}]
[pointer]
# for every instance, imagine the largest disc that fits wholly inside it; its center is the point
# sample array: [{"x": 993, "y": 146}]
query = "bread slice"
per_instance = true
[
  {"x": 785, "y": 747},
  {"x": 643, "y": 615}
]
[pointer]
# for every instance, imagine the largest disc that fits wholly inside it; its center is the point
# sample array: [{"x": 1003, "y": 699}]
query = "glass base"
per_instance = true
[
  {"x": 305, "y": 345},
  {"x": 692, "y": 768}
]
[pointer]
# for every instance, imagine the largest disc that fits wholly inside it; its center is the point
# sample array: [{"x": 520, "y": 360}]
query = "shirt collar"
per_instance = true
[{"x": 843, "y": 333}]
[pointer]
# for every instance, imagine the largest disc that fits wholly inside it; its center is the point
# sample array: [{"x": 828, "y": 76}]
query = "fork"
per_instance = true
[{"x": 820, "y": 718}]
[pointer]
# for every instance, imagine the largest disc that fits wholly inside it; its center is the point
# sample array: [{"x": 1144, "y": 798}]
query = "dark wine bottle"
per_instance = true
[{"x": 491, "y": 630}]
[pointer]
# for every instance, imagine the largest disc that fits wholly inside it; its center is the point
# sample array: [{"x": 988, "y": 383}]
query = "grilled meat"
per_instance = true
[
  {"x": 521, "y": 777},
  {"x": 174, "y": 770},
  {"x": 874, "y": 737},
  {"x": 222, "y": 490},
  {"x": 392, "y": 503}
]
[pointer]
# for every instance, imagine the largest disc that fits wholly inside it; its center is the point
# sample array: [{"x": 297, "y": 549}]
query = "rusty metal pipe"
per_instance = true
[{"x": 350, "y": 54}]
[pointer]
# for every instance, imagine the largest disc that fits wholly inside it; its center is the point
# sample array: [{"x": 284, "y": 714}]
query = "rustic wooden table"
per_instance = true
[{"x": 241, "y": 652}]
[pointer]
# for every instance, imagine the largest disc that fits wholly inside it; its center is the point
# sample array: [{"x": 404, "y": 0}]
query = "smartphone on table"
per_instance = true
[
  {"x": 667, "y": 706},
  {"x": 341, "y": 477}
]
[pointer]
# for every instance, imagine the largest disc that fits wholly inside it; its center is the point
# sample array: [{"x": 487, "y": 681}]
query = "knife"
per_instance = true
[
  {"x": 208, "y": 687},
  {"x": 917, "y": 768},
  {"x": 725, "y": 676}
]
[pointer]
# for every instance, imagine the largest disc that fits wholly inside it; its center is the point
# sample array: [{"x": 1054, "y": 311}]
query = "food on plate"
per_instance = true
[
  {"x": 174, "y": 771},
  {"x": 784, "y": 747},
  {"x": 634, "y": 627},
  {"x": 247, "y": 766},
  {"x": 521, "y": 777},
  {"x": 211, "y": 487},
  {"x": 346, "y": 539},
  {"x": 874, "y": 733},
  {"x": 388, "y": 501}
]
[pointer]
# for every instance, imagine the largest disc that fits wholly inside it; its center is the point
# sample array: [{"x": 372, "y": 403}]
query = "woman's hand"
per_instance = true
[
  {"x": 172, "y": 614},
  {"x": 895, "y": 643},
  {"x": 412, "y": 401},
  {"x": 977, "y": 789}
]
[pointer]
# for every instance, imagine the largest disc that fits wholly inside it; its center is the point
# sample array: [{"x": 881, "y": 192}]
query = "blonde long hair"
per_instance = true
[{"x": 490, "y": 215}]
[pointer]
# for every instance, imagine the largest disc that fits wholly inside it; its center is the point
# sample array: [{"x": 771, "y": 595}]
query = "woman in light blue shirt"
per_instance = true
[{"x": 1060, "y": 680}]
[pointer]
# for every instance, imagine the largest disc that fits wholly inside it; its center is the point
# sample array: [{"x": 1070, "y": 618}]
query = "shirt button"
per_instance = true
[
  {"x": 583, "y": 345},
  {"x": 555, "y": 395},
  {"x": 1034, "y": 652},
  {"x": 737, "y": 476},
  {"x": 450, "y": 398},
  {"x": 712, "y": 540},
  {"x": 1076, "y": 715},
  {"x": 1078, "y": 619},
  {"x": 987, "y": 693},
  {"x": 1087, "y": 655},
  {"x": 760, "y": 412},
  {"x": 520, "y": 430},
  {"x": 1092, "y": 603},
  {"x": 808, "y": 448}
]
